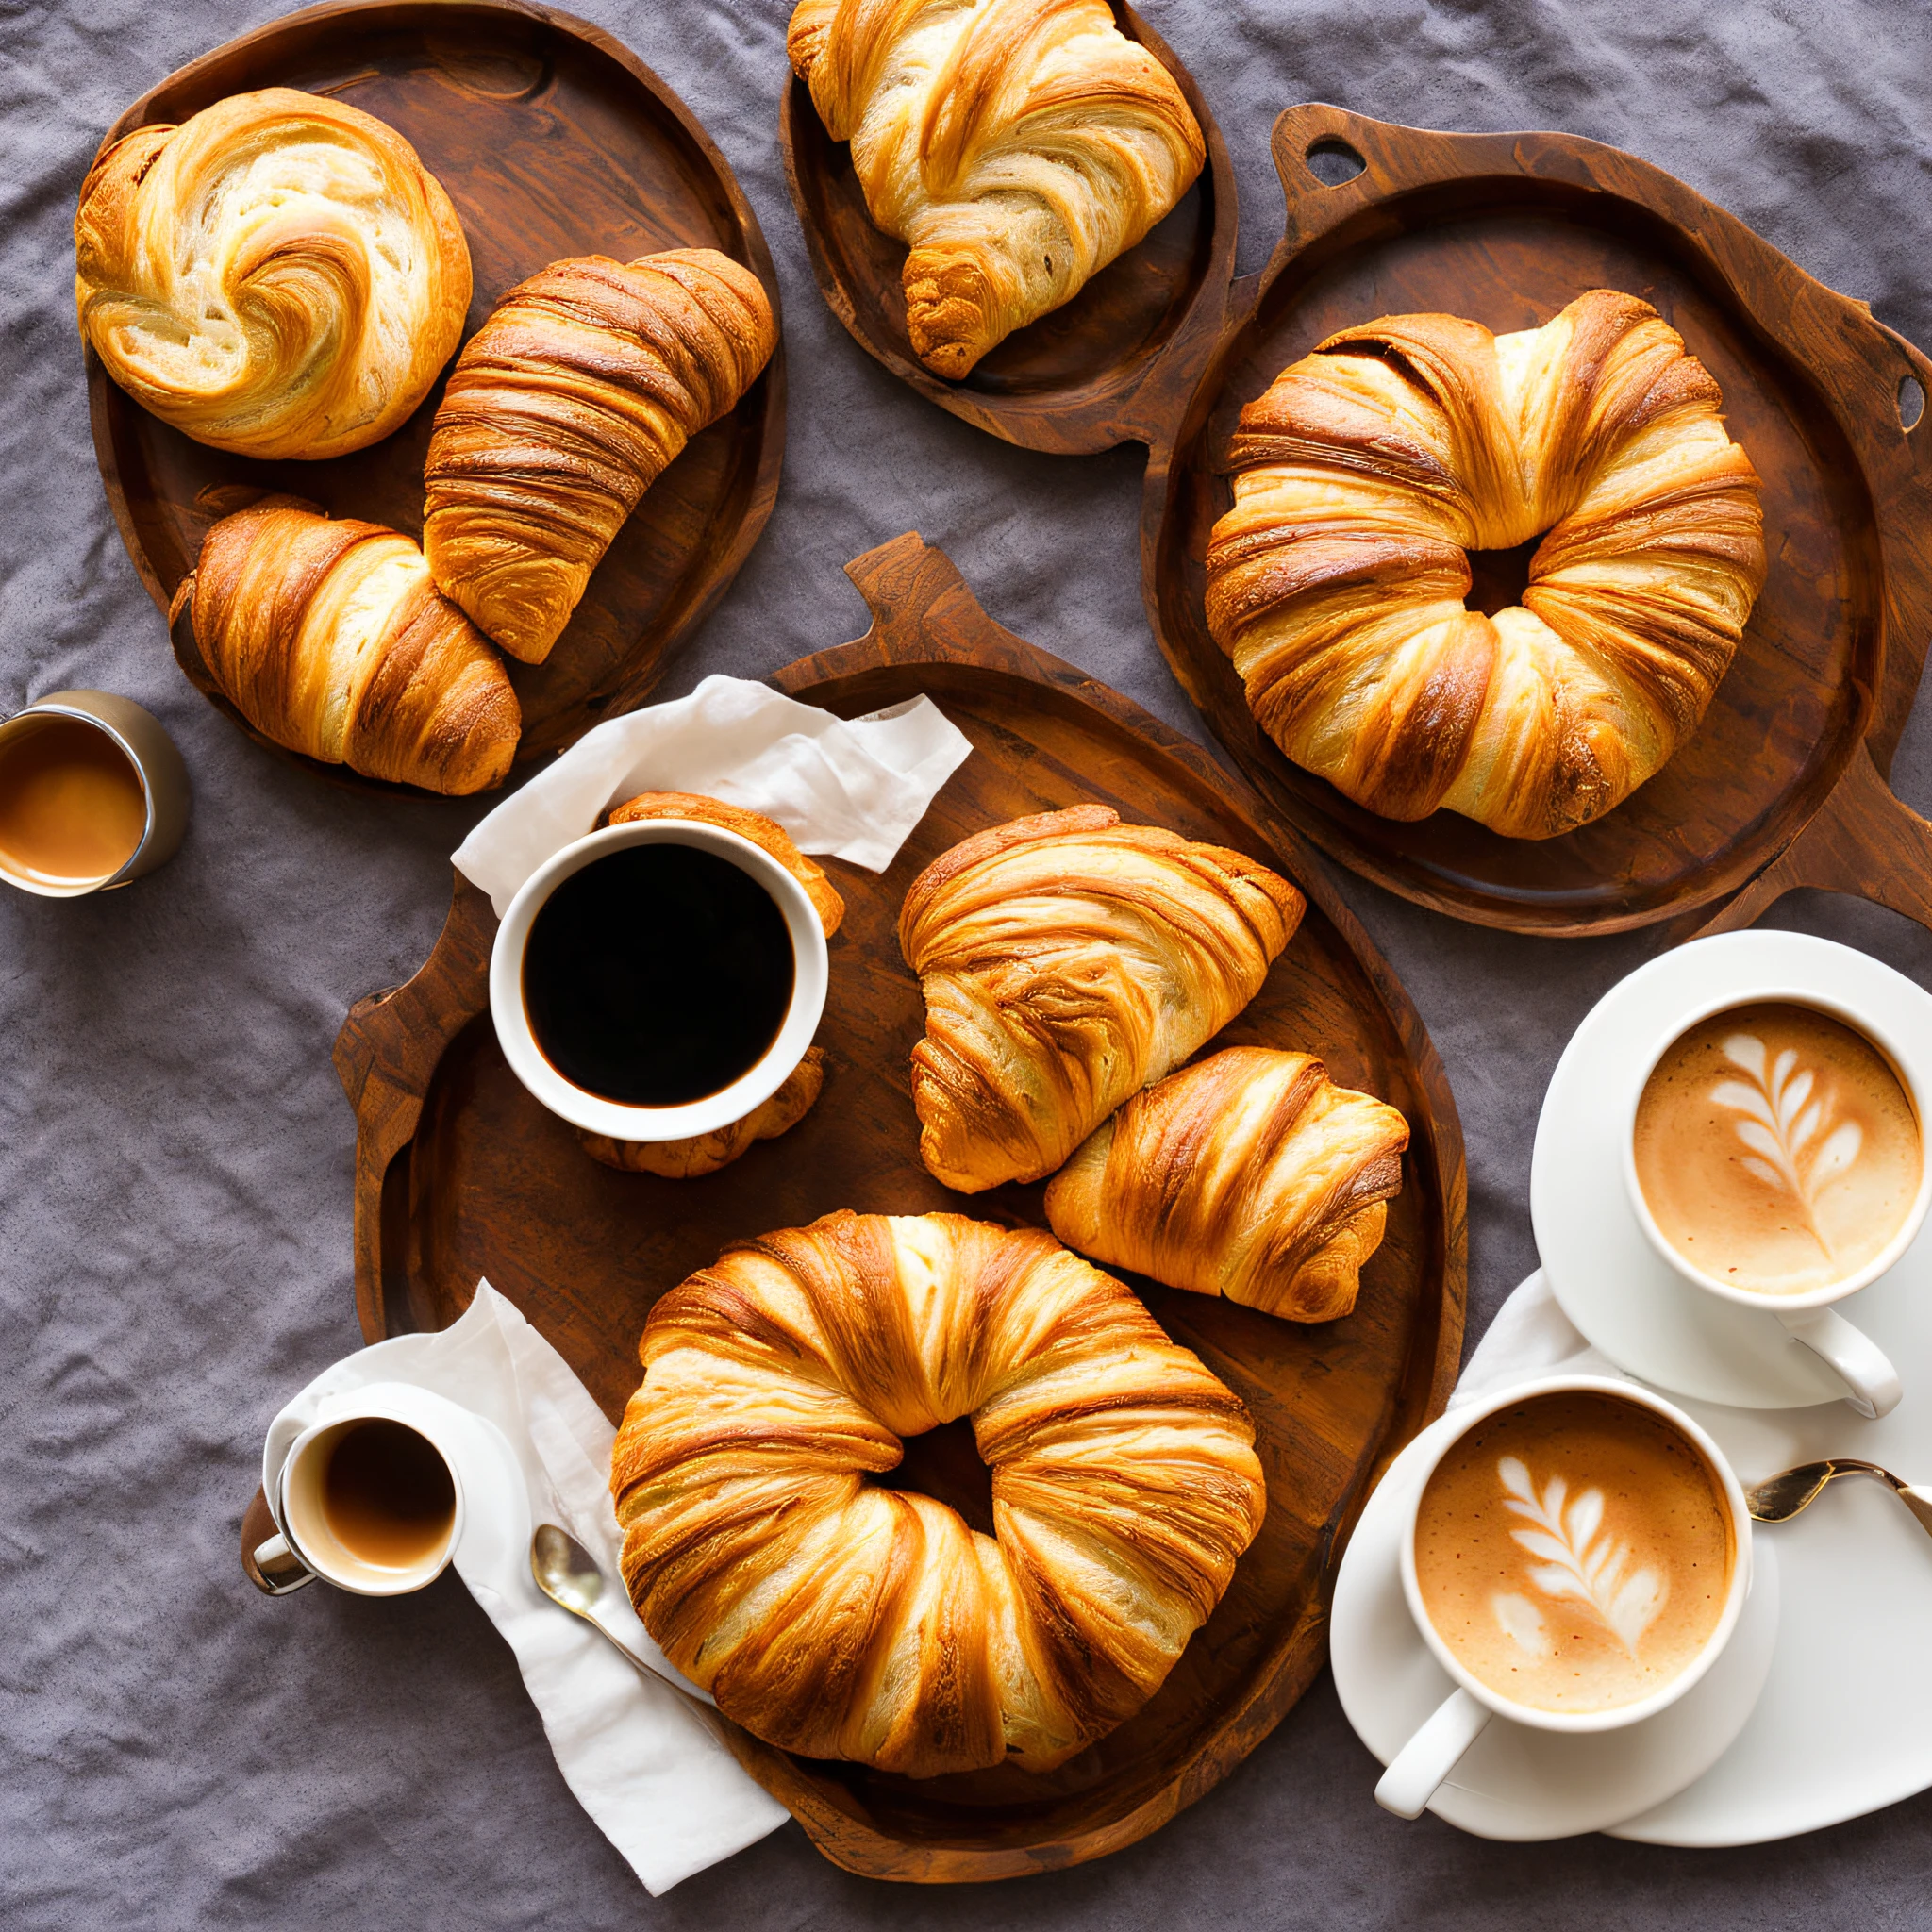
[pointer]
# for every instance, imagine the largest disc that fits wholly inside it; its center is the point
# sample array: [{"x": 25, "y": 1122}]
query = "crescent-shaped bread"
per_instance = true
[
  {"x": 1066, "y": 960},
  {"x": 279, "y": 275},
  {"x": 1249, "y": 1174},
  {"x": 1016, "y": 146},
  {"x": 1367, "y": 472},
  {"x": 838, "y": 1618}
]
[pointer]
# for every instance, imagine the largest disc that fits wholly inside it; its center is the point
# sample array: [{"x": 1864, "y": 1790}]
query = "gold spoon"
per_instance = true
[{"x": 1780, "y": 1497}]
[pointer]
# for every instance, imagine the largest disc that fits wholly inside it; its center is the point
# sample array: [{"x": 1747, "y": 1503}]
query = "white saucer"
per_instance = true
[
  {"x": 1514, "y": 1782},
  {"x": 1606, "y": 1275}
]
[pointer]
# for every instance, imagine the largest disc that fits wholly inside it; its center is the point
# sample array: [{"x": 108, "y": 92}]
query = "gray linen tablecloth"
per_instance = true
[{"x": 175, "y": 1159}]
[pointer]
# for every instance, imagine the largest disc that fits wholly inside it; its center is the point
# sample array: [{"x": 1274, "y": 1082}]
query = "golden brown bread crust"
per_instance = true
[
  {"x": 563, "y": 409},
  {"x": 702, "y": 1154},
  {"x": 279, "y": 275},
  {"x": 834, "y": 1618},
  {"x": 1369, "y": 469},
  {"x": 1066, "y": 960},
  {"x": 1249, "y": 1174},
  {"x": 1017, "y": 146},
  {"x": 328, "y": 637}
]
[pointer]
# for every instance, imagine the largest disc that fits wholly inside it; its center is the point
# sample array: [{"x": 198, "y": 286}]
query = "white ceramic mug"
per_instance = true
[
  {"x": 593, "y": 1111},
  {"x": 1872, "y": 1383},
  {"x": 1435, "y": 1750}
]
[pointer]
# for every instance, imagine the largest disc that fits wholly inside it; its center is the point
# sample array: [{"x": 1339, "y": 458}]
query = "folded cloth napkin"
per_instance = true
[
  {"x": 854, "y": 789},
  {"x": 1530, "y": 1336},
  {"x": 647, "y": 1769}
]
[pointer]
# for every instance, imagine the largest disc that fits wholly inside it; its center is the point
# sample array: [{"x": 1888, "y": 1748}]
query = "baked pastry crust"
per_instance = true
[
  {"x": 837, "y": 1618},
  {"x": 564, "y": 407},
  {"x": 279, "y": 275},
  {"x": 1066, "y": 960},
  {"x": 1016, "y": 146},
  {"x": 1249, "y": 1174},
  {"x": 1336, "y": 583}
]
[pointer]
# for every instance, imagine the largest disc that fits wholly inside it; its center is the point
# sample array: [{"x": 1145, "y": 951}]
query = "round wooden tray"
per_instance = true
[
  {"x": 553, "y": 139},
  {"x": 460, "y": 1173},
  {"x": 1783, "y": 783},
  {"x": 1110, "y": 366}
]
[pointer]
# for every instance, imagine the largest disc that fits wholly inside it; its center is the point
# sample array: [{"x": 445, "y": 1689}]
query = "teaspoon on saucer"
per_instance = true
[{"x": 1780, "y": 1497}]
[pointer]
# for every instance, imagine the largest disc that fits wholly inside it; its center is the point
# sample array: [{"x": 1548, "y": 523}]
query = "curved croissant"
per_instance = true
[
  {"x": 1250, "y": 1174},
  {"x": 1066, "y": 960},
  {"x": 562, "y": 410},
  {"x": 837, "y": 1618},
  {"x": 328, "y": 637},
  {"x": 1017, "y": 146},
  {"x": 279, "y": 275},
  {"x": 1367, "y": 470}
]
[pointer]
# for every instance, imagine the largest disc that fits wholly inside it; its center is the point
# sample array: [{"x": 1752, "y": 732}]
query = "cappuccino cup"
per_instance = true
[
  {"x": 1773, "y": 1158},
  {"x": 1575, "y": 1557}
]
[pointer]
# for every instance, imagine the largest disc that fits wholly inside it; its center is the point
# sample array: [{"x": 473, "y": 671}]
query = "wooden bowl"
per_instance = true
[
  {"x": 1782, "y": 783},
  {"x": 553, "y": 139}
]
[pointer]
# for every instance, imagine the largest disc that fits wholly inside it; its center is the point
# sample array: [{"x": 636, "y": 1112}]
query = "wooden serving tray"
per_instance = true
[
  {"x": 1784, "y": 783},
  {"x": 1108, "y": 367},
  {"x": 460, "y": 1173},
  {"x": 553, "y": 139}
]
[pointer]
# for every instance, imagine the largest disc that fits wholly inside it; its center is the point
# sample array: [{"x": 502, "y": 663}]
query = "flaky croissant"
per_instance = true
[
  {"x": 328, "y": 637},
  {"x": 1368, "y": 469},
  {"x": 1066, "y": 960},
  {"x": 838, "y": 1618},
  {"x": 1016, "y": 146},
  {"x": 279, "y": 275},
  {"x": 1250, "y": 1174},
  {"x": 562, "y": 410}
]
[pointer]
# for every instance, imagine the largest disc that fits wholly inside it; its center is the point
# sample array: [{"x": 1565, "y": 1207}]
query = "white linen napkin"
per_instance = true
[
  {"x": 1530, "y": 1336},
  {"x": 659, "y": 1786},
  {"x": 854, "y": 789}
]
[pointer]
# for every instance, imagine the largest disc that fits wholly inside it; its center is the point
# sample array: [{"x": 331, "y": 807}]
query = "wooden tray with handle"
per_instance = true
[
  {"x": 552, "y": 139},
  {"x": 460, "y": 1173},
  {"x": 1784, "y": 784}
]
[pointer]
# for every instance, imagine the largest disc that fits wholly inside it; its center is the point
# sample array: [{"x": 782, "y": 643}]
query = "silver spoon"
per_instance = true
[
  {"x": 568, "y": 1574},
  {"x": 1780, "y": 1497}
]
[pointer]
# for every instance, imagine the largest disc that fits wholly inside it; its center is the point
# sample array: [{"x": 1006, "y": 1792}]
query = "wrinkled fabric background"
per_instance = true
[{"x": 174, "y": 1150}]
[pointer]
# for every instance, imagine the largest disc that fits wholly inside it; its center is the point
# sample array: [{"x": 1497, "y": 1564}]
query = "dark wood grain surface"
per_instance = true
[
  {"x": 460, "y": 1173},
  {"x": 553, "y": 139},
  {"x": 1789, "y": 763}
]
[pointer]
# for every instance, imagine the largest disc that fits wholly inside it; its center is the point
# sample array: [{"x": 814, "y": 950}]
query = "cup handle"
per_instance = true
[
  {"x": 1431, "y": 1754},
  {"x": 1872, "y": 1383},
  {"x": 274, "y": 1569}
]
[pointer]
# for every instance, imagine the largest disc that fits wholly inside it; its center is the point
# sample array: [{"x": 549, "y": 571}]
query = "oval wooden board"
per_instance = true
[
  {"x": 460, "y": 1173},
  {"x": 1506, "y": 230},
  {"x": 553, "y": 139},
  {"x": 1108, "y": 367}
]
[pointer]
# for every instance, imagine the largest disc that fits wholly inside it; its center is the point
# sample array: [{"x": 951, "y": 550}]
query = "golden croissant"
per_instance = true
[
  {"x": 328, "y": 637},
  {"x": 1066, "y": 960},
  {"x": 1016, "y": 146},
  {"x": 1249, "y": 1174},
  {"x": 835, "y": 1617},
  {"x": 279, "y": 275},
  {"x": 1368, "y": 469},
  {"x": 562, "y": 410}
]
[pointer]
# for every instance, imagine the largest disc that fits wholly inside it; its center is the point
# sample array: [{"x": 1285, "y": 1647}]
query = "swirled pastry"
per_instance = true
[
  {"x": 1016, "y": 146},
  {"x": 279, "y": 275},
  {"x": 1368, "y": 469},
  {"x": 1250, "y": 1174},
  {"x": 837, "y": 1618},
  {"x": 328, "y": 637},
  {"x": 1066, "y": 960},
  {"x": 563, "y": 410}
]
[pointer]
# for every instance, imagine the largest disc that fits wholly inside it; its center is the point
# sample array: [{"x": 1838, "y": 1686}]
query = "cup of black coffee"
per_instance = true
[{"x": 658, "y": 980}]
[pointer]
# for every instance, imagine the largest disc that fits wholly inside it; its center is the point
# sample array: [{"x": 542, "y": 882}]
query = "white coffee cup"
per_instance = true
[
  {"x": 1436, "y": 1749},
  {"x": 1872, "y": 1383},
  {"x": 596, "y": 1113}
]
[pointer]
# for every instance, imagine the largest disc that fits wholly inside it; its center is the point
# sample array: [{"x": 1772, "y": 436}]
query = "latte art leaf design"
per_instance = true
[
  {"x": 1794, "y": 1144},
  {"x": 1575, "y": 1561}
]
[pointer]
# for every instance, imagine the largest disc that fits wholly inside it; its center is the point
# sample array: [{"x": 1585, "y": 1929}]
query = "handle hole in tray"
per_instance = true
[
  {"x": 1332, "y": 162},
  {"x": 1911, "y": 401}
]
